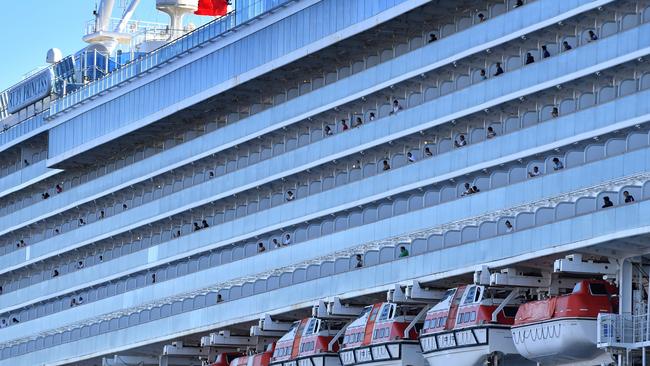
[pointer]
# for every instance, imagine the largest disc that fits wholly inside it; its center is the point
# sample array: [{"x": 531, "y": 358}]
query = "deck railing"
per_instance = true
[{"x": 623, "y": 330}]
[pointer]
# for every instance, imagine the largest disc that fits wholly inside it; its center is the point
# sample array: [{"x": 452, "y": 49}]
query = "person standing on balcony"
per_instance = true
[
  {"x": 529, "y": 58},
  {"x": 396, "y": 107},
  {"x": 403, "y": 252},
  {"x": 628, "y": 197}
]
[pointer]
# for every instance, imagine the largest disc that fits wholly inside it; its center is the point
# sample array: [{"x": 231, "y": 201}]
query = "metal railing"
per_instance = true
[
  {"x": 132, "y": 26},
  {"x": 623, "y": 330},
  {"x": 161, "y": 55}
]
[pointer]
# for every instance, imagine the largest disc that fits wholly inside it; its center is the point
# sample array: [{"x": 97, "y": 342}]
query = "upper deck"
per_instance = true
[{"x": 23, "y": 119}]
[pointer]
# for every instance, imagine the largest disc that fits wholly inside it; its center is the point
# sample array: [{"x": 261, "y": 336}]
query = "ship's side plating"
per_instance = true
[{"x": 327, "y": 150}]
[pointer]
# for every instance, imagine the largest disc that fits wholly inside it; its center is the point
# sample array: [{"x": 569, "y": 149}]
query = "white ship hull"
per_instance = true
[
  {"x": 472, "y": 347},
  {"x": 569, "y": 341},
  {"x": 390, "y": 354}
]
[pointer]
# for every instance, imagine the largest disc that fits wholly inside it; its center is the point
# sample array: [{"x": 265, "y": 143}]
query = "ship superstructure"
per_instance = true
[{"x": 179, "y": 196}]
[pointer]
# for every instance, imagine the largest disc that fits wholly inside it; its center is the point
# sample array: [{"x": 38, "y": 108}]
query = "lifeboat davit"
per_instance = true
[
  {"x": 562, "y": 330},
  {"x": 258, "y": 359},
  {"x": 377, "y": 338},
  {"x": 307, "y": 344},
  {"x": 460, "y": 329}
]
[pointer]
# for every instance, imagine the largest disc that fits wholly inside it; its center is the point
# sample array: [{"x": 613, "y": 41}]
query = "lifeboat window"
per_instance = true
[
  {"x": 469, "y": 298},
  {"x": 311, "y": 328},
  {"x": 598, "y": 289},
  {"x": 510, "y": 311},
  {"x": 306, "y": 347},
  {"x": 231, "y": 357},
  {"x": 479, "y": 293},
  {"x": 365, "y": 311},
  {"x": 387, "y": 312},
  {"x": 447, "y": 297},
  {"x": 577, "y": 288},
  {"x": 380, "y": 333},
  {"x": 441, "y": 321},
  {"x": 472, "y": 316}
]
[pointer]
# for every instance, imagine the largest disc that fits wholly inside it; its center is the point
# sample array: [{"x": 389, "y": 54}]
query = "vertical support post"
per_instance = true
[
  {"x": 625, "y": 299},
  {"x": 647, "y": 317},
  {"x": 625, "y": 287},
  {"x": 643, "y": 356}
]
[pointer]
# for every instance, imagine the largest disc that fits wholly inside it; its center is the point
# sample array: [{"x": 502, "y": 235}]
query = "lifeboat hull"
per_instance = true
[
  {"x": 565, "y": 341},
  {"x": 472, "y": 347},
  {"x": 386, "y": 354},
  {"x": 328, "y": 359}
]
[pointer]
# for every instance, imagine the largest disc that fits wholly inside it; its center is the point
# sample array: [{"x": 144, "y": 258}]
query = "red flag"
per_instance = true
[{"x": 212, "y": 7}]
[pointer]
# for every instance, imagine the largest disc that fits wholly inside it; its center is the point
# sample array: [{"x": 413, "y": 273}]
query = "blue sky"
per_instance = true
[{"x": 28, "y": 28}]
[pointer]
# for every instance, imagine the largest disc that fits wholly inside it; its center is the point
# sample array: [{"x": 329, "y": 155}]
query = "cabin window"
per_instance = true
[
  {"x": 469, "y": 298},
  {"x": 472, "y": 316},
  {"x": 598, "y": 289}
]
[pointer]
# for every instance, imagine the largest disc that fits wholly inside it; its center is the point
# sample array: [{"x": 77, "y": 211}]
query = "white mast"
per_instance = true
[
  {"x": 102, "y": 35},
  {"x": 128, "y": 13}
]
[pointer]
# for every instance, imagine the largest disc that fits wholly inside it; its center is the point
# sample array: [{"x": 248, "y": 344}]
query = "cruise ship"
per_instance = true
[{"x": 332, "y": 183}]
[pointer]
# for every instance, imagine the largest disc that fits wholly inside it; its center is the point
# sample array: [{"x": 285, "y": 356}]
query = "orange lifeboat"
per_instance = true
[
  {"x": 464, "y": 330},
  {"x": 306, "y": 344},
  {"x": 258, "y": 359},
  {"x": 561, "y": 330},
  {"x": 224, "y": 359},
  {"x": 377, "y": 338}
]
